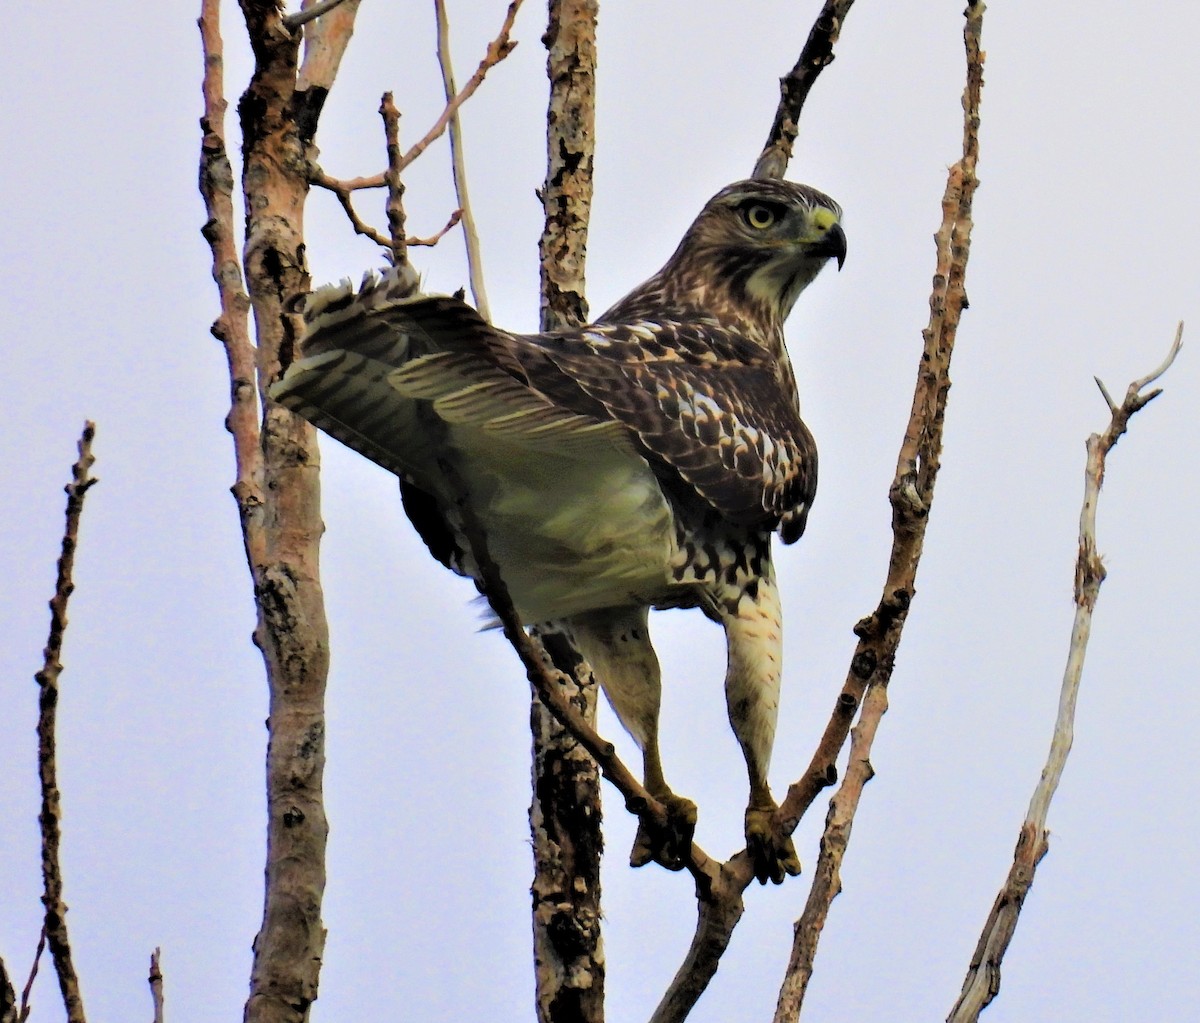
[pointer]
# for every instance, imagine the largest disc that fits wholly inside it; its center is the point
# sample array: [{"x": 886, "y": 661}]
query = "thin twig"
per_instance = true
[
  {"x": 322, "y": 180},
  {"x": 155, "y": 980},
  {"x": 50, "y": 817},
  {"x": 794, "y": 87},
  {"x": 33, "y": 972},
  {"x": 982, "y": 981},
  {"x": 319, "y": 177},
  {"x": 294, "y": 20},
  {"x": 497, "y": 50},
  {"x": 433, "y": 239},
  {"x": 458, "y": 164},
  {"x": 911, "y": 497}
]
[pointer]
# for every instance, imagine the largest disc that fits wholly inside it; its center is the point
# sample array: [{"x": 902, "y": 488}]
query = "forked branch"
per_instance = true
[
  {"x": 982, "y": 982},
  {"x": 395, "y": 241}
]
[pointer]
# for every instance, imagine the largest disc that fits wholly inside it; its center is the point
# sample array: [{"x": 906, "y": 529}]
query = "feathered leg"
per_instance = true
[
  {"x": 616, "y": 643},
  {"x": 754, "y": 632}
]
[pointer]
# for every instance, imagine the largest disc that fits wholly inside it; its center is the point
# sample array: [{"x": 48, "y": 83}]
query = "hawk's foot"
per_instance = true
[
  {"x": 671, "y": 844},
  {"x": 770, "y": 849}
]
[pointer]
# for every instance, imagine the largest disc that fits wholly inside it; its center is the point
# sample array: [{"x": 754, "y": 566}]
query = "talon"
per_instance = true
[
  {"x": 670, "y": 845},
  {"x": 771, "y": 851}
]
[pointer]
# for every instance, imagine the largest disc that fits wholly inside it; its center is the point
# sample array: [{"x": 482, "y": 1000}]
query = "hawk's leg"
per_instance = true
[
  {"x": 617, "y": 645},
  {"x": 754, "y": 631}
]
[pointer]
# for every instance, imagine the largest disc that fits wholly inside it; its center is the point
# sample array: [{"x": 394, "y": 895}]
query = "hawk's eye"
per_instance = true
[{"x": 759, "y": 216}]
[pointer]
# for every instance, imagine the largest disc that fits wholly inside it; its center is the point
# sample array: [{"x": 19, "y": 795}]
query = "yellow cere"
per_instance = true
[{"x": 823, "y": 219}]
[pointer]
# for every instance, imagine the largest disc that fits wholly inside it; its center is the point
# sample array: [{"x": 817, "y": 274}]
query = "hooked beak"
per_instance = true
[{"x": 833, "y": 245}]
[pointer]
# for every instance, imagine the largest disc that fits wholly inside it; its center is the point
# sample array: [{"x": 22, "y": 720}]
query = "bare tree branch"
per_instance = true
[
  {"x": 567, "y": 194},
  {"x": 395, "y": 241},
  {"x": 794, "y": 87},
  {"x": 310, "y": 12},
  {"x": 278, "y": 486},
  {"x": 433, "y": 239},
  {"x": 911, "y": 497},
  {"x": 50, "y": 817},
  {"x": 458, "y": 160},
  {"x": 982, "y": 982},
  {"x": 155, "y": 980},
  {"x": 394, "y": 207},
  {"x": 497, "y": 50},
  {"x": 322, "y": 180},
  {"x": 565, "y": 813},
  {"x": 33, "y": 972}
]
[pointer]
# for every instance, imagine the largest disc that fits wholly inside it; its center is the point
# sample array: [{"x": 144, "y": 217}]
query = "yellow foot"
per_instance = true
[
  {"x": 668, "y": 845},
  {"x": 770, "y": 849}
]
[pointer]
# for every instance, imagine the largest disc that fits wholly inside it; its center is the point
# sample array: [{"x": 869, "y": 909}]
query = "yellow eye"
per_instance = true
[{"x": 759, "y": 216}]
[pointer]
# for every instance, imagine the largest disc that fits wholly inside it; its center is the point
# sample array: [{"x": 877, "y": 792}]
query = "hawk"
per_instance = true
[{"x": 641, "y": 461}]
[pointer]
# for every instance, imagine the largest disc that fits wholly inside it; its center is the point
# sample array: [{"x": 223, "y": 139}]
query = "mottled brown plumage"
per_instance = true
[{"x": 641, "y": 461}]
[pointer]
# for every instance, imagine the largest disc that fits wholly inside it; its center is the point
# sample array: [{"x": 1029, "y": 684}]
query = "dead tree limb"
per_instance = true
[
  {"x": 327, "y": 64},
  {"x": 564, "y": 815},
  {"x": 911, "y": 497},
  {"x": 50, "y": 817},
  {"x": 795, "y": 85},
  {"x": 338, "y": 188},
  {"x": 982, "y": 982},
  {"x": 27, "y": 990},
  {"x": 277, "y": 488},
  {"x": 394, "y": 207}
]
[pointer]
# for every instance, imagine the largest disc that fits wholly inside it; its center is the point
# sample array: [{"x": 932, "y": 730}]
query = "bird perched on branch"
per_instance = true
[{"x": 641, "y": 461}]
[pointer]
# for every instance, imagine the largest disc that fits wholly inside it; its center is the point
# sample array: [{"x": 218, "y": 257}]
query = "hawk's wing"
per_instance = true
[
  {"x": 689, "y": 395},
  {"x": 375, "y": 364},
  {"x": 704, "y": 401}
]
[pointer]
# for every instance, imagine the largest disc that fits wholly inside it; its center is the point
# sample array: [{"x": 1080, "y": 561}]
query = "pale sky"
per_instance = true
[{"x": 1084, "y": 259}]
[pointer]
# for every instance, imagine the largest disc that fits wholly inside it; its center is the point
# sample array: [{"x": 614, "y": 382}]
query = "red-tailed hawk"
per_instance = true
[{"x": 644, "y": 460}]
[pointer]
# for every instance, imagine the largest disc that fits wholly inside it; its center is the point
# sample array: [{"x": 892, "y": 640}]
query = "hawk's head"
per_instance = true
[{"x": 754, "y": 247}]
